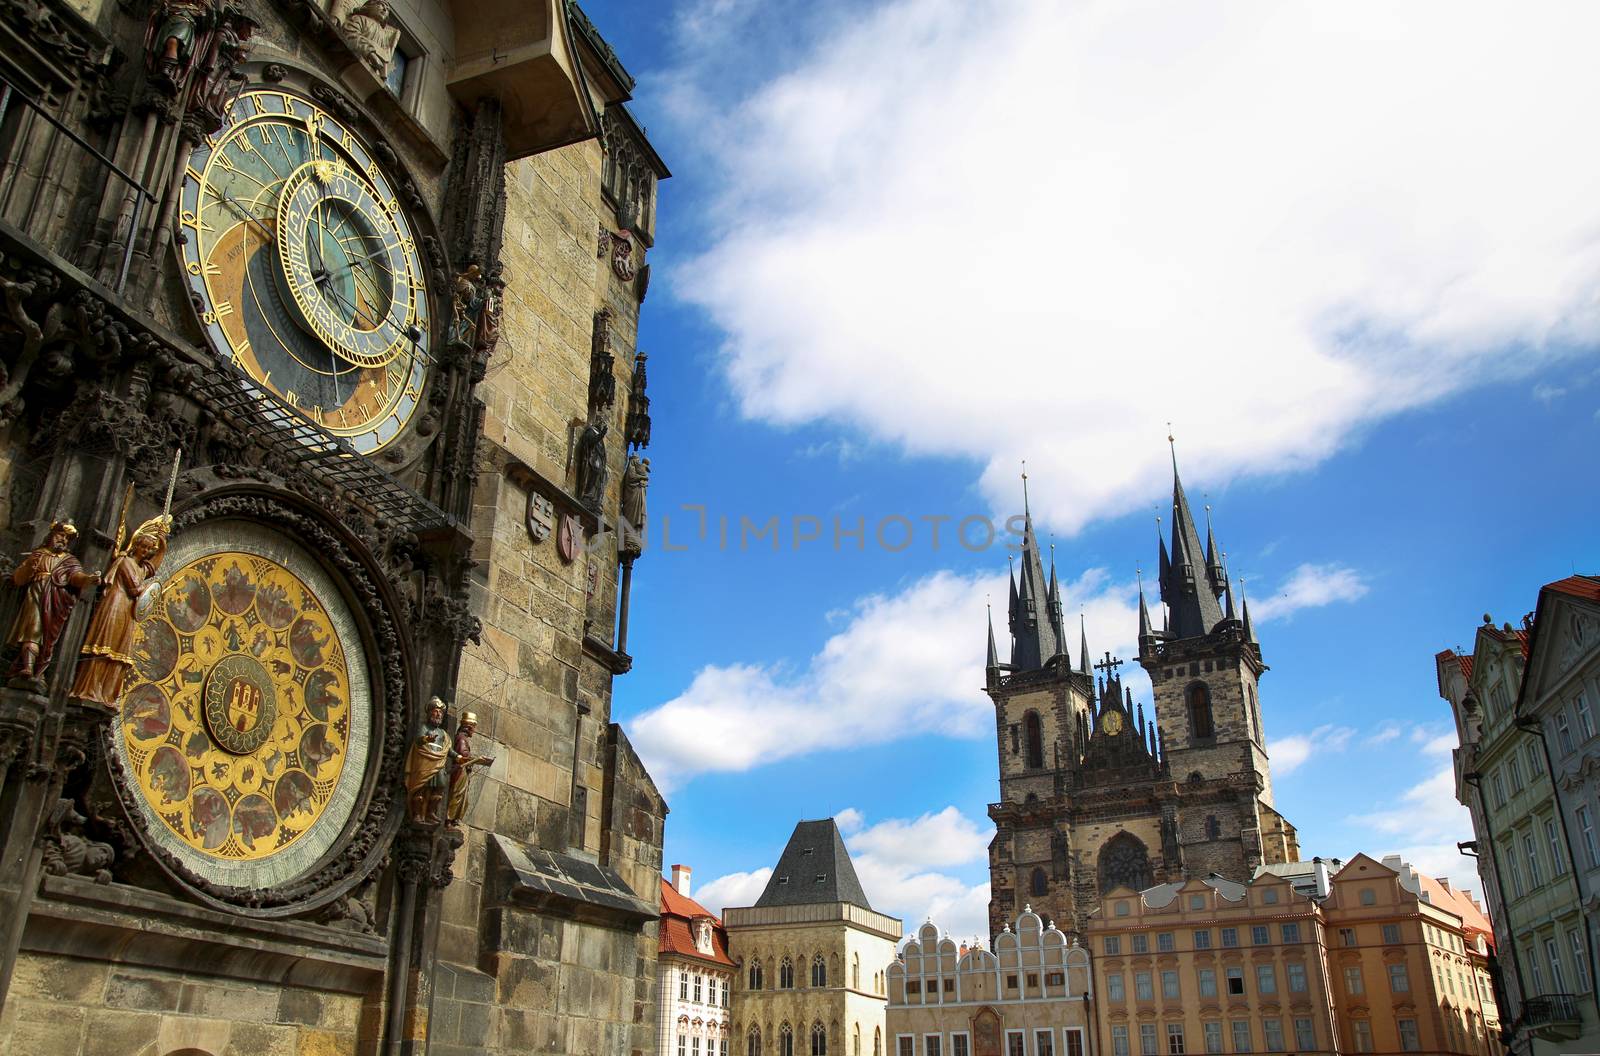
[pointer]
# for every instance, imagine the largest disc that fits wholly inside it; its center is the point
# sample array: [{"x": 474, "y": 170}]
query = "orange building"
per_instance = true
[{"x": 1373, "y": 958}]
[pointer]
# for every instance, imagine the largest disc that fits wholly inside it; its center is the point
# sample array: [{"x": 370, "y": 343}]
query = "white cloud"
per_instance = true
[
  {"x": 911, "y": 661},
  {"x": 1036, "y": 229},
  {"x": 898, "y": 861},
  {"x": 1310, "y": 586},
  {"x": 1423, "y": 827},
  {"x": 734, "y": 889},
  {"x": 1289, "y": 753}
]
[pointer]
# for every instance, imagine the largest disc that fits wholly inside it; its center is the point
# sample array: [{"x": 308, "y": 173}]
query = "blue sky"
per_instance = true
[{"x": 908, "y": 245}]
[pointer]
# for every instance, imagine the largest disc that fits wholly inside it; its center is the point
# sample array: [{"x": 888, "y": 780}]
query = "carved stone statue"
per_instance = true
[
  {"x": 68, "y": 852},
  {"x": 466, "y": 307},
  {"x": 461, "y": 763},
  {"x": 427, "y": 780},
  {"x": 51, "y": 579},
  {"x": 170, "y": 40},
  {"x": 591, "y": 459},
  {"x": 351, "y": 913},
  {"x": 635, "y": 480},
  {"x": 219, "y": 79},
  {"x": 130, "y": 586},
  {"x": 366, "y": 24}
]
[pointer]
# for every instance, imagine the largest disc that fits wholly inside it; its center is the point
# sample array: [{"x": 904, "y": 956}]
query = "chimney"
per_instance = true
[
  {"x": 1320, "y": 869},
  {"x": 680, "y": 879}
]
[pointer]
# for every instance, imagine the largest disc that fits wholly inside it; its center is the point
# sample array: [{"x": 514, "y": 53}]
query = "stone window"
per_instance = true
[
  {"x": 819, "y": 1040},
  {"x": 819, "y": 971},
  {"x": 877, "y": 1041},
  {"x": 1202, "y": 940},
  {"x": 1141, "y": 943},
  {"x": 1297, "y": 977},
  {"x": 786, "y": 974},
  {"x": 855, "y": 1039},
  {"x": 1033, "y": 737},
  {"x": 1230, "y": 936},
  {"x": 1391, "y": 934},
  {"x": 1164, "y": 942},
  {"x": 1291, "y": 932},
  {"x": 1040, "y": 884},
  {"x": 855, "y": 981},
  {"x": 755, "y": 975},
  {"x": 1124, "y": 862},
  {"x": 930, "y": 1045},
  {"x": 785, "y": 1041}
]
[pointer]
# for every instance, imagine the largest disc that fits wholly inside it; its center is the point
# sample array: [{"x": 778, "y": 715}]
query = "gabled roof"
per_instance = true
[
  {"x": 678, "y": 913},
  {"x": 813, "y": 869},
  {"x": 1585, "y": 587}
]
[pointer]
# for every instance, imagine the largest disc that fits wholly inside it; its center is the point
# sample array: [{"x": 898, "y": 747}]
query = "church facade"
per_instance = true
[
  {"x": 1096, "y": 794},
  {"x": 321, "y": 489}
]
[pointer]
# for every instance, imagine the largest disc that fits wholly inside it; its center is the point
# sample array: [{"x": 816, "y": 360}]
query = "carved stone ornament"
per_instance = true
[
  {"x": 622, "y": 262},
  {"x": 243, "y": 866},
  {"x": 365, "y": 23},
  {"x": 569, "y": 538},
  {"x": 541, "y": 517}
]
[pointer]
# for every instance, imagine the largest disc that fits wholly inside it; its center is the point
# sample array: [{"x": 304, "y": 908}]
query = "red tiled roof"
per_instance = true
[
  {"x": 1461, "y": 904},
  {"x": 1466, "y": 666},
  {"x": 677, "y": 911},
  {"x": 1586, "y": 587}
]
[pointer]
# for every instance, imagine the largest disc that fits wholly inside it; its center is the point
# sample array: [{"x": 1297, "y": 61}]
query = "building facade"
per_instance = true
[
  {"x": 1560, "y": 691},
  {"x": 1095, "y": 796},
  {"x": 694, "y": 975},
  {"x": 1524, "y": 855},
  {"x": 1032, "y": 995},
  {"x": 322, "y": 314},
  {"x": 812, "y": 955},
  {"x": 1355, "y": 961}
]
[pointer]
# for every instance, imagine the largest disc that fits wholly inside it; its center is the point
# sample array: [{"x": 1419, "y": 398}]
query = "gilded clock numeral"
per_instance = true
[
  {"x": 258, "y": 100},
  {"x": 292, "y": 397},
  {"x": 223, "y": 308}
]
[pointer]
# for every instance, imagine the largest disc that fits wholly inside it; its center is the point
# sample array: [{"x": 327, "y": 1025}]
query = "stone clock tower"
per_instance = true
[
  {"x": 1095, "y": 794},
  {"x": 319, "y": 401}
]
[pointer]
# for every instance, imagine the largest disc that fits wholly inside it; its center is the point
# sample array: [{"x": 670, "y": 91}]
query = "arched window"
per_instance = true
[
  {"x": 1201, "y": 726},
  {"x": 819, "y": 971},
  {"x": 1033, "y": 735},
  {"x": 855, "y": 1047},
  {"x": 786, "y": 974},
  {"x": 755, "y": 975},
  {"x": 785, "y": 1041},
  {"x": 855, "y": 982},
  {"x": 819, "y": 1040},
  {"x": 1124, "y": 862},
  {"x": 1213, "y": 827},
  {"x": 752, "y": 1042},
  {"x": 1041, "y": 883},
  {"x": 1255, "y": 712},
  {"x": 877, "y": 1041}
]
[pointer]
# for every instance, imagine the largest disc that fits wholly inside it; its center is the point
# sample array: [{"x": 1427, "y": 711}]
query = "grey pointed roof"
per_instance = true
[
  {"x": 1033, "y": 623},
  {"x": 1187, "y": 585},
  {"x": 814, "y": 868},
  {"x": 994, "y": 655}
]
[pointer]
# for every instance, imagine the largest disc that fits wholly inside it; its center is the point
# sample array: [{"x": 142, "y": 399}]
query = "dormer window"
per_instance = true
[
  {"x": 822, "y": 878},
  {"x": 783, "y": 879}
]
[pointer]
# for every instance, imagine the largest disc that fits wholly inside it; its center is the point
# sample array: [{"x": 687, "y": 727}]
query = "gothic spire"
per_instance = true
[
  {"x": 1083, "y": 646},
  {"x": 1033, "y": 625},
  {"x": 1186, "y": 582},
  {"x": 1249, "y": 629},
  {"x": 1228, "y": 594},
  {"x": 994, "y": 654},
  {"x": 1216, "y": 570},
  {"x": 1145, "y": 633},
  {"x": 1056, "y": 624}
]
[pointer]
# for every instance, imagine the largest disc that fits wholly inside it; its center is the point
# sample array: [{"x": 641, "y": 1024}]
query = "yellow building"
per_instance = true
[
  {"x": 812, "y": 955},
  {"x": 1373, "y": 958},
  {"x": 1030, "y": 996}
]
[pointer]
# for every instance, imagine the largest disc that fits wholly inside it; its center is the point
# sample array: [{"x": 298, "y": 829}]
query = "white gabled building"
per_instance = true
[{"x": 694, "y": 974}]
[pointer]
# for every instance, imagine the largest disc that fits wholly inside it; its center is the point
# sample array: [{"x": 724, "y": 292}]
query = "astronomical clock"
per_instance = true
[
  {"x": 259, "y": 739},
  {"x": 305, "y": 267}
]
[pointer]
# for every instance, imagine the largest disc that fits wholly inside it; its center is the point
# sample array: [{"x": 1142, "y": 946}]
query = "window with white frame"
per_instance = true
[
  {"x": 1295, "y": 972},
  {"x": 1202, "y": 940},
  {"x": 683, "y": 986},
  {"x": 1272, "y": 1034},
  {"x": 960, "y": 1045},
  {"x": 1531, "y": 850},
  {"x": 1266, "y": 979},
  {"x": 1552, "y": 838},
  {"x": 1175, "y": 1039},
  {"x": 1213, "y": 1033},
  {"x": 1399, "y": 979},
  {"x": 1169, "y": 985},
  {"x": 1119, "y": 1040},
  {"x": 1235, "y": 981},
  {"x": 1535, "y": 760},
  {"x": 1361, "y": 1030},
  {"x": 1074, "y": 1038},
  {"x": 1147, "y": 1040},
  {"x": 1532, "y": 957},
  {"x": 1305, "y": 1034},
  {"x": 930, "y": 1045},
  {"x": 1586, "y": 831},
  {"x": 1114, "y": 987},
  {"x": 1044, "y": 1043},
  {"x": 697, "y": 981},
  {"x": 1514, "y": 869},
  {"x": 1499, "y": 786},
  {"x": 1016, "y": 1043},
  {"x": 1514, "y": 774},
  {"x": 1580, "y": 961},
  {"x": 1208, "y": 982},
  {"x": 1352, "y": 980},
  {"x": 1585, "y": 717},
  {"x": 1241, "y": 1035},
  {"x": 1558, "y": 975},
  {"x": 1143, "y": 988},
  {"x": 906, "y": 1044},
  {"x": 1290, "y": 931},
  {"x": 1563, "y": 731},
  {"x": 1409, "y": 1041},
  {"x": 1391, "y": 934}
]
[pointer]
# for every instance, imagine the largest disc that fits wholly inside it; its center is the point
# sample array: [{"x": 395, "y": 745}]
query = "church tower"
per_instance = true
[
  {"x": 1095, "y": 795},
  {"x": 1205, "y": 666}
]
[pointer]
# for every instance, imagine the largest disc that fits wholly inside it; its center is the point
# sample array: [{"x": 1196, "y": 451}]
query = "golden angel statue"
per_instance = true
[{"x": 130, "y": 592}]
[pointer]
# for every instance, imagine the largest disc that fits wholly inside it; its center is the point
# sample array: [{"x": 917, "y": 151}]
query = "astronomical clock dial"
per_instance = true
[
  {"x": 306, "y": 268},
  {"x": 246, "y": 726},
  {"x": 1111, "y": 722}
]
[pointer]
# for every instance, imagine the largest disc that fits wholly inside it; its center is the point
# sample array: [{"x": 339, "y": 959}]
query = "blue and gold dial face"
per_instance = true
[{"x": 306, "y": 268}]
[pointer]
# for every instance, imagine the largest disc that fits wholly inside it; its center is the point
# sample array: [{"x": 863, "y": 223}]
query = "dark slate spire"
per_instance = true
[
  {"x": 814, "y": 869},
  {"x": 1145, "y": 633},
  {"x": 1033, "y": 631},
  {"x": 1083, "y": 646},
  {"x": 1216, "y": 571},
  {"x": 1057, "y": 626},
  {"x": 1249, "y": 630},
  {"x": 994, "y": 654},
  {"x": 1186, "y": 584}
]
